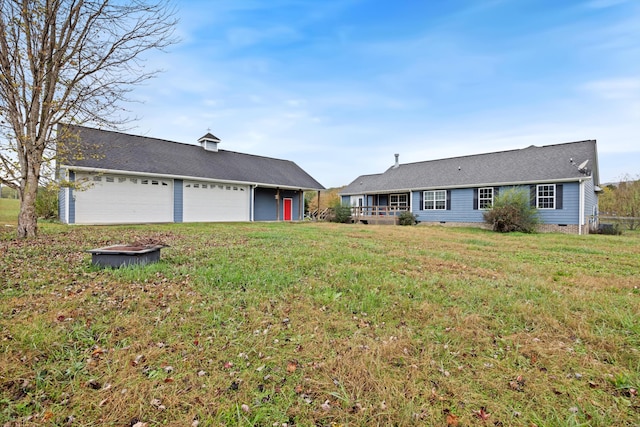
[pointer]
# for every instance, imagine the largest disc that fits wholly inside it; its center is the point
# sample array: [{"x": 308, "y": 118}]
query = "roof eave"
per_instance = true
[
  {"x": 475, "y": 185},
  {"x": 185, "y": 177}
]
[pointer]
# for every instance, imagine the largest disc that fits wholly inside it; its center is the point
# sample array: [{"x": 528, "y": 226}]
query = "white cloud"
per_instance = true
[
  {"x": 603, "y": 4},
  {"x": 615, "y": 88}
]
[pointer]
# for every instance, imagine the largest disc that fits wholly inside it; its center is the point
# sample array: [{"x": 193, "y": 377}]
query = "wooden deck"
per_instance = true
[{"x": 383, "y": 215}]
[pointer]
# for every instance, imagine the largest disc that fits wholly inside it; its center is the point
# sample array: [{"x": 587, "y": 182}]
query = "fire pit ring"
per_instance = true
[{"x": 117, "y": 256}]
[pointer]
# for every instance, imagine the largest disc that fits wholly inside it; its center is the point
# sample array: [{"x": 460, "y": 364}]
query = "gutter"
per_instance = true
[
  {"x": 183, "y": 177},
  {"x": 450, "y": 187}
]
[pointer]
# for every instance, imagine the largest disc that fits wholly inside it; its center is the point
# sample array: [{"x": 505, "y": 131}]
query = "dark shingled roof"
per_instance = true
[
  {"x": 528, "y": 165},
  {"x": 109, "y": 150}
]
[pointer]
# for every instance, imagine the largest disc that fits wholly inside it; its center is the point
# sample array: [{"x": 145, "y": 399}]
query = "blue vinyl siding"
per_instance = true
[
  {"x": 461, "y": 208},
  {"x": 72, "y": 201},
  {"x": 266, "y": 205},
  {"x": 178, "y": 200},
  {"x": 570, "y": 207},
  {"x": 62, "y": 199},
  {"x": 462, "y": 202},
  {"x": 590, "y": 199}
]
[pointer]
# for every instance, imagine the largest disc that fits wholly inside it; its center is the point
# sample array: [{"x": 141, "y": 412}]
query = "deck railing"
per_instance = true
[{"x": 358, "y": 212}]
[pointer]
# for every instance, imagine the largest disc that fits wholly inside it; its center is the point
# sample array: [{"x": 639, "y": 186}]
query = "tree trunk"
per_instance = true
[{"x": 28, "y": 219}]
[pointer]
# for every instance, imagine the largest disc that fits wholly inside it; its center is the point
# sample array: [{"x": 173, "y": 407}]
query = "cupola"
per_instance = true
[{"x": 209, "y": 142}]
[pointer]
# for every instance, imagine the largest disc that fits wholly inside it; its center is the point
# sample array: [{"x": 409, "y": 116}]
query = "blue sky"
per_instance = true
[{"x": 339, "y": 86}]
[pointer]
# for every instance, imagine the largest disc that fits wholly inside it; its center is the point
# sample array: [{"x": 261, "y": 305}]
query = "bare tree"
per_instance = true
[{"x": 68, "y": 61}]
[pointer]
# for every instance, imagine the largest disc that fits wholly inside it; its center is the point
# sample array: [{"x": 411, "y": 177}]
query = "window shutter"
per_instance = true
[
  {"x": 475, "y": 199},
  {"x": 496, "y": 191},
  {"x": 421, "y": 201},
  {"x": 558, "y": 196},
  {"x": 448, "y": 200},
  {"x": 533, "y": 195}
]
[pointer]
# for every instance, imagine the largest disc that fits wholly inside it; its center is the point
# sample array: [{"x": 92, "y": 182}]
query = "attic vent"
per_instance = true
[{"x": 209, "y": 142}]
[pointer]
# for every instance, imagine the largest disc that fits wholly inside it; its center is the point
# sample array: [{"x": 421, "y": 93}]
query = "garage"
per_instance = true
[
  {"x": 113, "y": 199},
  {"x": 208, "y": 202}
]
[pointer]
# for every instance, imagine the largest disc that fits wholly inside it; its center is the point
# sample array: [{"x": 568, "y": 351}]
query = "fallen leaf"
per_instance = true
[
  {"x": 245, "y": 408},
  {"x": 325, "y": 406},
  {"x": 98, "y": 351},
  {"x": 452, "y": 420},
  {"x": 482, "y": 414},
  {"x": 292, "y": 366},
  {"x": 47, "y": 416},
  {"x": 139, "y": 359}
]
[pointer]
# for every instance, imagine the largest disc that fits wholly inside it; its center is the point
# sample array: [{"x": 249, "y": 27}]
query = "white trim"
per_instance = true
[
  {"x": 485, "y": 184},
  {"x": 486, "y": 198},
  {"x": 184, "y": 177},
  {"x": 555, "y": 196},
  {"x": 435, "y": 200}
]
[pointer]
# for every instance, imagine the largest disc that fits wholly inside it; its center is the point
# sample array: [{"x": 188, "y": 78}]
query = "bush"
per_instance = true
[
  {"x": 407, "y": 218},
  {"x": 47, "y": 203},
  {"x": 340, "y": 213},
  {"x": 610, "y": 229},
  {"x": 512, "y": 211}
]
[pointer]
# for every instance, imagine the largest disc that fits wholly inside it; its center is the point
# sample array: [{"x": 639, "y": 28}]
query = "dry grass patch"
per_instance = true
[{"x": 319, "y": 325}]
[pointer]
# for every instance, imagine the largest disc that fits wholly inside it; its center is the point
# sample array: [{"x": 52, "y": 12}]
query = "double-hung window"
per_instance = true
[
  {"x": 485, "y": 198},
  {"x": 546, "y": 196},
  {"x": 398, "y": 201},
  {"x": 435, "y": 200}
]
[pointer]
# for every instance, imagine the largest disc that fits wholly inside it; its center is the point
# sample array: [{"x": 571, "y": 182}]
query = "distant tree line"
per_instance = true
[{"x": 622, "y": 200}]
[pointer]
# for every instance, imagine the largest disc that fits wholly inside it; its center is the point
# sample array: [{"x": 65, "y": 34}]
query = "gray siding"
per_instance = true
[{"x": 178, "y": 200}]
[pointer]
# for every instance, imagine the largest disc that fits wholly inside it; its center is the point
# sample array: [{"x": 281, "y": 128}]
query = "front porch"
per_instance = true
[{"x": 387, "y": 215}]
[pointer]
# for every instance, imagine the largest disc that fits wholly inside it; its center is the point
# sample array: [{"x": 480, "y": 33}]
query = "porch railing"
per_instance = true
[{"x": 369, "y": 211}]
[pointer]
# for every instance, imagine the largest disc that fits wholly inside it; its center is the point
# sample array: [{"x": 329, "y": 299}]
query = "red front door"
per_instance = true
[{"x": 287, "y": 209}]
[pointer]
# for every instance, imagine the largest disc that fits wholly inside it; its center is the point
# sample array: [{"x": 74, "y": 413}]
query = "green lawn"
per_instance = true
[
  {"x": 9, "y": 209},
  {"x": 307, "y": 324}
]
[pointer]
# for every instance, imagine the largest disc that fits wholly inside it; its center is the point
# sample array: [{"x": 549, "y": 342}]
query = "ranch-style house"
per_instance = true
[{"x": 562, "y": 180}]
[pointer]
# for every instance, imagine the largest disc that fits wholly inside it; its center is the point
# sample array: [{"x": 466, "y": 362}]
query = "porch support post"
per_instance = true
[{"x": 301, "y": 205}]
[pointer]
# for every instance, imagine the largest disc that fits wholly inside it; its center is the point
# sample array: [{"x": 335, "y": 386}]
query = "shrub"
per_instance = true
[
  {"x": 610, "y": 229},
  {"x": 407, "y": 218},
  {"x": 512, "y": 211},
  {"x": 340, "y": 213},
  {"x": 47, "y": 203}
]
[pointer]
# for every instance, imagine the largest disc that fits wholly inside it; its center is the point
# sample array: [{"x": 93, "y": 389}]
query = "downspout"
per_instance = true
[
  {"x": 581, "y": 210},
  {"x": 252, "y": 205},
  {"x": 277, "y": 204}
]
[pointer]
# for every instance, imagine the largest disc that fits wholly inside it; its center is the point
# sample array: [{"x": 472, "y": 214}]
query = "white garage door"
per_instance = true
[
  {"x": 114, "y": 199},
  {"x": 207, "y": 202}
]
